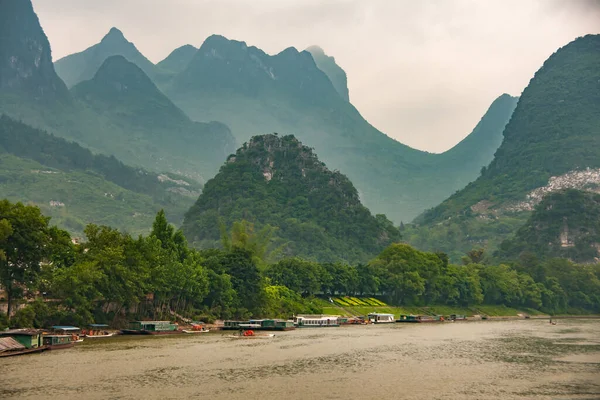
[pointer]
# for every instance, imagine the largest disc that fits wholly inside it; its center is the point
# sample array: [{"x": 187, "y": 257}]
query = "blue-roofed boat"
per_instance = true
[{"x": 72, "y": 331}]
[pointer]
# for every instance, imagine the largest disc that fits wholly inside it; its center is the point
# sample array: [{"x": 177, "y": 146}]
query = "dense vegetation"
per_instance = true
[
  {"x": 277, "y": 181},
  {"x": 252, "y": 92},
  {"x": 84, "y": 187},
  {"x": 565, "y": 224},
  {"x": 554, "y": 129},
  {"x": 119, "y": 112},
  {"x": 113, "y": 276}
]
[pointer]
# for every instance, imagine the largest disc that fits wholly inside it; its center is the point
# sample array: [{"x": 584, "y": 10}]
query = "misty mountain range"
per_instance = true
[{"x": 186, "y": 114}]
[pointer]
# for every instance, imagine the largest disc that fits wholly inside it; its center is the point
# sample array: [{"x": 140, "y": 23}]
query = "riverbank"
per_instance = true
[{"x": 481, "y": 310}]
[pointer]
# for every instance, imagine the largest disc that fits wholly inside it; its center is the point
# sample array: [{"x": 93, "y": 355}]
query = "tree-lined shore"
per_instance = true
[{"x": 112, "y": 277}]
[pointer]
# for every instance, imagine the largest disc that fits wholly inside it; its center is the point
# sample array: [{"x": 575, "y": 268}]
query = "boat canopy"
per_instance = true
[
  {"x": 65, "y": 328},
  {"x": 98, "y": 325}
]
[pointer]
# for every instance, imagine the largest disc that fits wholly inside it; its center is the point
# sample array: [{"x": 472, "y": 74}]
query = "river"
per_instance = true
[{"x": 528, "y": 359}]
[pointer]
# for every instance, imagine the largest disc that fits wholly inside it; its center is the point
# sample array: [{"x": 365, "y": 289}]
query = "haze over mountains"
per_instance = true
[
  {"x": 188, "y": 113},
  {"x": 305, "y": 94},
  {"x": 551, "y": 143}
]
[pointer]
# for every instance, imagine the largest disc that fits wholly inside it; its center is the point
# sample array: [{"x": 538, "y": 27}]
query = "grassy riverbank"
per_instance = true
[{"x": 489, "y": 310}]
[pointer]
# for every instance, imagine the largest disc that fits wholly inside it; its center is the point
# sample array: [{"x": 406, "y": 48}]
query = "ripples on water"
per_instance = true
[{"x": 469, "y": 360}]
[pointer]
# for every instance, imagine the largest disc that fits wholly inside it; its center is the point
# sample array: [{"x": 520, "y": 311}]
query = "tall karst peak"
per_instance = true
[
  {"x": 276, "y": 180},
  {"x": 114, "y": 37},
  {"x": 334, "y": 72},
  {"x": 178, "y": 59},
  {"x": 553, "y": 133},
  {"x": 25, "y": 55},
  {"x": 83, "y": 66},
  {"x": 121, "y": 85},
  {"x": 117, "y": 69}
]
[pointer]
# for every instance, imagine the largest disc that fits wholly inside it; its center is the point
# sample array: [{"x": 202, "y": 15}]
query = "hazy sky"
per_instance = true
[{"x": 423, "y": 72}]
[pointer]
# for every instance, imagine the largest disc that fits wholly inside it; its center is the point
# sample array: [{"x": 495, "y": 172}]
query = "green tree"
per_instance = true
[{"x": 24, "y": 246}]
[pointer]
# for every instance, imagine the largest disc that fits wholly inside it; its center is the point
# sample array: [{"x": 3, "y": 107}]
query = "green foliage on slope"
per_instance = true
[
  {"x": 142, "y": 124},
  {"x": 554, "y": 129},
  {"x": 565, "y": 224},
  {"x": 277, "y": 181},
  {"x": 253, "y": 92},
  {"x": 85, "y": 188}
]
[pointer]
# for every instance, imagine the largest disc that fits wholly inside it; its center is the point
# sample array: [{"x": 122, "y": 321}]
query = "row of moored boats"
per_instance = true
[{"x": 24, "y": 341}]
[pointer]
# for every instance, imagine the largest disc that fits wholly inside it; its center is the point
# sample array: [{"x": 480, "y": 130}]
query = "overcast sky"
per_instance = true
[{"x": 423, "y": 72}]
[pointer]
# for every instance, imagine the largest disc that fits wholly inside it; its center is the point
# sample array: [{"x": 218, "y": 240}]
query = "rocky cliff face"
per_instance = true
[
  {"x": 334, "y": 72},
  {"x": 565, "y": 223},
  {"x": 25, "y": 56}
]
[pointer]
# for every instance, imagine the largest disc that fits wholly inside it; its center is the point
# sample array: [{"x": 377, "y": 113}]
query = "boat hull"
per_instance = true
[
  {"x": 268, "y": 336},
  {"x": 24, "y": 351},
  {"x": 99, "y": 336},
  {"x": 317, "y": 326},
  {"x": 189, "y": 331},
  {"x": 144, "y": 332},
  {"x": 60, "y": 346}
]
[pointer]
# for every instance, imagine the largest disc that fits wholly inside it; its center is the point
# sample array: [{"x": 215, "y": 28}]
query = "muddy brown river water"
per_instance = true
[{"x": 520, "y": 359}]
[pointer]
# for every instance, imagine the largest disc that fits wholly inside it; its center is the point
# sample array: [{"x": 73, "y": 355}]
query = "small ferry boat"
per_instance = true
[
  {"x": 260, "y": 325},
  {"x": 250, "y": 334},
  {"x": 419, "y": 318},
  {"x": 151, "y": 328},
  {"x": 197, "y": 328},
  {"x": 316, "y": 321},
  {"x": 353, "y": 321},
  {"x": 73, "y": 331},
  {"x": 55, "y": 342},
  {"x": 457, "y": 317},
  {"x": 97, "y": 331},
  {"x": 378, "y": 318}
]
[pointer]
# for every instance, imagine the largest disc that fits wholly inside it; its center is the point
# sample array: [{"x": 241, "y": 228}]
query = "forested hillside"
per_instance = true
[
  {"x": 555, "y": 129},
  {"x": 275, "y": 180},
  {"x": 77, "y": 187},
  {"x": 550, "y": 142},
  {"x": 565, "y": 224}
]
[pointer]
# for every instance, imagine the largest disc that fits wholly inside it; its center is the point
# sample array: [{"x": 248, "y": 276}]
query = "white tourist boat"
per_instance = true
[{"x": 316, "y": 321}]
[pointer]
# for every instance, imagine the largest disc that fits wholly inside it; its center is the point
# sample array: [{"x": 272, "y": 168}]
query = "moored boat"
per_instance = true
[
  {"x": 9, "y": 346},
  {"x": 197, "y": 328},
  {"x": 316, "y": 321},
  {"x": 73, "y": 331},
  {"x": 260, "y": 325},
  {"x": 378, "y": 318},
  {"x": 95, "y": 331},
  {"x": 352, "y": 321},
  {"x": 151, "y": 328},
  {"x": 55, "y": 342},
  {"x": 457, "y": 317},
  {"x": 419, "y": 318},
  {"x": 250, "y": 334}
]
